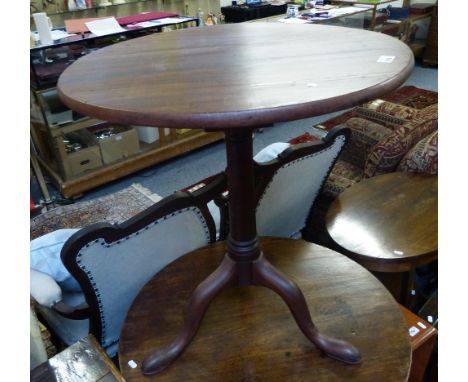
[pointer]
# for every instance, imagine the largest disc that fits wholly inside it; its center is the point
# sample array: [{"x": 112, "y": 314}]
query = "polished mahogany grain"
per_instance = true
[
  {"x": 248, "y": 333},
  {"x": 387, "y": 223},
  {"x": 234, "y": 75}
]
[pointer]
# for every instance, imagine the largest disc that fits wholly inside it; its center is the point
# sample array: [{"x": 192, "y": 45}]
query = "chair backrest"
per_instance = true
[
  {"x": 286, "y": 187},
  {"x": 113, "y": 262}
]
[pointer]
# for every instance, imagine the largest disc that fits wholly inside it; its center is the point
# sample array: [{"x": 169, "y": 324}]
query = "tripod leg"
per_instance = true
[
  {"x": 267, "y": 275},
  {"x": 223, "y": 276}
]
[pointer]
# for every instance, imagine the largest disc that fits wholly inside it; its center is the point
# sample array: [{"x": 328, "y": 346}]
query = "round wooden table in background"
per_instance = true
[
  {"x": 248, "y": 333},
  {"x": 235, "y": 78},
  {"x": 388, "y": 223}
]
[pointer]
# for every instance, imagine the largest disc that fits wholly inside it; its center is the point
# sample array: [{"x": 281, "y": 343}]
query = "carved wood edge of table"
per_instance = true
[
  {"x": 387, "y": 223},
  {"x": 248, "y": 332}
]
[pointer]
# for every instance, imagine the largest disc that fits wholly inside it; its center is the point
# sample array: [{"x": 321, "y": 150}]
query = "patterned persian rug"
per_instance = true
[{"x": 113, "y": 208}]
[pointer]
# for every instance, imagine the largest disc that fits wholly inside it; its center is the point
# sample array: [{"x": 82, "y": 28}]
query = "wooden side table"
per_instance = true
[
  {"x": 387, "y": 223},
  {"x": 423, "y": 337},
  {"x": 84, "y": 361},
  {"x": 248, "y": 333}
]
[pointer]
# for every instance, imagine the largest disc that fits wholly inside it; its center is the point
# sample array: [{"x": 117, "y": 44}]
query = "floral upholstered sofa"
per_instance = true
[{"x": 399, "y": 133}]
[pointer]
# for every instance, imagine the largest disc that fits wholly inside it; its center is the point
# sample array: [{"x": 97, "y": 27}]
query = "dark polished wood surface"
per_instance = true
[
  {"x": 248, "y": 333},
  {"x": 234, "y": 75},
  {"x": 387, "y": 223}
]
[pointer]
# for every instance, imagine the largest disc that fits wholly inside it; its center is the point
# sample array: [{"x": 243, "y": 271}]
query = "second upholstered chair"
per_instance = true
[
  {"x": 286, "y": 187},
  {"x": 288, "y": 178}
]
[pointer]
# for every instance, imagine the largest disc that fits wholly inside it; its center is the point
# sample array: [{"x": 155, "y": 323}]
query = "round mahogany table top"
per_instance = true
[
  {"x": 235, "y": 75},
  {"x": 387, "y": 223},
  {"x": 248, "y": 333}
]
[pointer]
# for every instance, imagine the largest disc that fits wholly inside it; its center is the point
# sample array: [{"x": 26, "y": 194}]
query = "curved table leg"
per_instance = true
[
  {"x": 267, "y": 275},
  {"x": 223, "y": 276},
  {"x": 245, "y": 265}
]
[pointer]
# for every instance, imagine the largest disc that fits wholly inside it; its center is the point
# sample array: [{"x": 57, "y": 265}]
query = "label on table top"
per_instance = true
[
  {"x": 421, "y": 325},
  {"x": 386, "y": 59},
  {"x": 413, "y": 331}
]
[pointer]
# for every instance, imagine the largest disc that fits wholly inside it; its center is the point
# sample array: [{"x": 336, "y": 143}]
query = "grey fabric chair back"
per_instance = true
[
  {"x": 287, "y": 186},
  {"x": 113, "y": 262}
]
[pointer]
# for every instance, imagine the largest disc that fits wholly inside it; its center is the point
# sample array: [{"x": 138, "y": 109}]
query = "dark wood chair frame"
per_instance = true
[{"x": 112, "y": 233}]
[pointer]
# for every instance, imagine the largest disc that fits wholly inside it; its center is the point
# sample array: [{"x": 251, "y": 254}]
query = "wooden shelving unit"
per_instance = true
[
  {"x": 150, "y": 154},
  {"x": 48, "y": 135}
]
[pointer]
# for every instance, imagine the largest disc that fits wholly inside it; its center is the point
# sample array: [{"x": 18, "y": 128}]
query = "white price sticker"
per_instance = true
[
  {"x": 386, "y": 59},
  {"x": 413, "y": 331}
]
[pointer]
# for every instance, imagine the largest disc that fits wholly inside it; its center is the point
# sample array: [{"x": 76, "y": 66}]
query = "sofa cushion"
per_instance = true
[
  {"x": 387, "y": 154},
  {"x": 422, "y": 157},
  {"x": 364, "y": 136},
  {"x": 401, "y": 112},
  {"x": 342, "y": 176},
  {"x": 386, "y": 120}
]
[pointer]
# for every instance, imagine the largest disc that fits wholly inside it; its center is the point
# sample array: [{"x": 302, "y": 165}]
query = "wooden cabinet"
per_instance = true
[
  {"x": 371, "y": 5},
  {"x": 430, "y": 56},
  {"x": 416, "y": 28},
  {"x": 79, "y": 153}
]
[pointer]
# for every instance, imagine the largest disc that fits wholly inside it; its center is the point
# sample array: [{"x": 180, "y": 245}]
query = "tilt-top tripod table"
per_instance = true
[{"x": 235, "y": 78}]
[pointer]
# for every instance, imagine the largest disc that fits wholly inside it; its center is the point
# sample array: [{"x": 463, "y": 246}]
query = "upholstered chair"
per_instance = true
[
  {"x": 288, "y": 177},
  {"x": 111, "y": 263},
  {"x": 286, "y": 186}
]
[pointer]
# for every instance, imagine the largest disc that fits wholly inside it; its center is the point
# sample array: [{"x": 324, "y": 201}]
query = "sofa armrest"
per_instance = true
[
  {"x": 79, "y": 312},
  {"x": 365, "y": 135},
  {"x": 387, "y": 154},
  {"x": 422, "y": 157}
]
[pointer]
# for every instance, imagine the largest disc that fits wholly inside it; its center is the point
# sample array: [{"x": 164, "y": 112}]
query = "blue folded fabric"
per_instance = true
[{"x": 45, "y": 257}]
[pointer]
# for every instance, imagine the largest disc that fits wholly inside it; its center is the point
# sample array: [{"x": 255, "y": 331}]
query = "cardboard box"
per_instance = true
[
  {"x": 86, "y": 159},
  {"x": 183, "y": 131},
  {"x": 121, "y": 143},
  {"x": 149, "y": 134}
]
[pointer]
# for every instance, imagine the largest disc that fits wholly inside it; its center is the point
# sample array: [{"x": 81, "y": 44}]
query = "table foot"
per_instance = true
[
  {"x": 267, "y": 275},
  {"x": 223, "y": 276}
]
